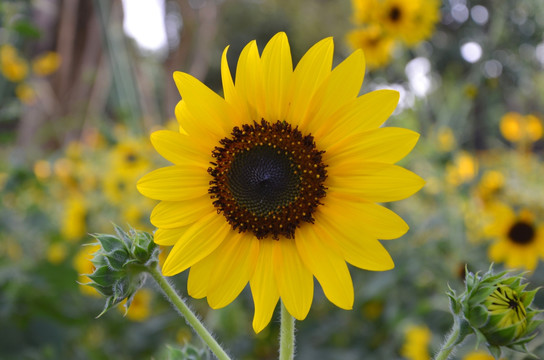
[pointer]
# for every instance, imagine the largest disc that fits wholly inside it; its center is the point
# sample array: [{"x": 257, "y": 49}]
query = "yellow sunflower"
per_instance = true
[
  {"x": 519, "y": 239},
  {"x": 377, "y": 45},
  {"x": 396, "y": 16},
  {"x": 278, "y": 181},
  {"x": 416, "y": 345},
  {"x": 422, "y": 22}
]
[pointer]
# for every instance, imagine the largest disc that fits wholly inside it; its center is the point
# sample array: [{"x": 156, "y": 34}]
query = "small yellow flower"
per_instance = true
[
  {"x": 463, "y": 169},
  {"x": 518, "y": 128},
  {"x": 15, "y": 70},
  {"x": 518, "y": 238},
  {"x": 416, "y": 345},
  {"x": 42, "y": 169},
  {"x": 46, "y": 64},
  {"x": 377, "y": 45},
  {"x": 83, "y": 265},
  {"x": 446, "y": 139},
  {"x": 479, "y": 355},
  {"x": 73, "y": 222},
  {"x": 140, "y": 307},
  {"x": 363, "y": 11},
  {"x": 25, "y": 93},
  {"x": 56, "y": 252}
]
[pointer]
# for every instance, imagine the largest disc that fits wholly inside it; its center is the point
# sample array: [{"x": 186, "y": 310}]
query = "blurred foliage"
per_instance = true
[{"x": 70, "y": 159}]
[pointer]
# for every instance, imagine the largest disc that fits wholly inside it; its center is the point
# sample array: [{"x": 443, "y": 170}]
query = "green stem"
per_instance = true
[
  {"x": 451, "y": 341},
  {"x": 189, "y": 316},
  {"x": 287, "y": 335}
]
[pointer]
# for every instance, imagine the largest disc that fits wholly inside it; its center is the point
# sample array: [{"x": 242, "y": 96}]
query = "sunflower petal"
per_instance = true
[
  {"x": 168, "y": 237},
  {"x": 353, "y": 218},
  {"x": 263, "y": 286},
  {"x": 200, "y": 275},
  {"x": 366, "y": 112},
  {"x": 196, "y": 243},
  {"x": 176, "y": 148},
  {"x": 232, "y": 269},
  {"x": 277, "y": 71},
  {"x": 249, "y": 80},
  {"x": 341, "y": 87},
  {"x": 295, "y": 282},
  {"x": 174, "y": 183},
  {"x": 376, "y": 182},
  {"x": 309, "y": 73},
  {"x": 174, "y": 214},
  {"x": 387, "y": 145},
  {"x": 210, "y": 110},
  {"x": 324, "y": 259}
]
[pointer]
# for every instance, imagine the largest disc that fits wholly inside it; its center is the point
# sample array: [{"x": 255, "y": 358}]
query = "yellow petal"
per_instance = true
[
  {"x": 387, "y": 145},
  {"x": 339, "y": 88},
  {"x": 263, "y": 286},
  {"x": 295, "y": 282},
  {"x": 168, "y": 237},
  {"x": 176, "y": 148},
  {"x": 373, "y": 181},
  {"x": 365, "y": 113},
  {"x": 200, "y": 275},
  {"x": 196, "y": 243},
  {"x": 189, "y": 124},
  {"x": 351, "y": 217},
  {"x": 230, "y": 93},
  {"x": 310, "y": 72},
  {"x": 277, "y": 71},
  {"x": 174, "y": 214},
  {"x": 249, "y": 82},
  {"x": 175, "y": 183},
  {"x": 324, "y": 259},
  {"x": 361, "y": 250},
  {"x": 210, "y": 110},
  {"x": 232, "y": 269}
]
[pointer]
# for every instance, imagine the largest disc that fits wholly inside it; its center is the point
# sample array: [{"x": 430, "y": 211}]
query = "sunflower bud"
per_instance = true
[
  {"x": 120, "y": 265},
  {"x": 497, "y": 308}
]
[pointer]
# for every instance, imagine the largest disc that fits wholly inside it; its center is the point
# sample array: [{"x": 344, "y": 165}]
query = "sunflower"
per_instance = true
[
  {"x": 422, "y": 22},
  {"x": 416, "y": 345},
  {"x": 397, "y": 16},
  {"x": 278, "y": 181},
  {"x": 519, "y": 239},
  {"x": 377, "y": 45}
]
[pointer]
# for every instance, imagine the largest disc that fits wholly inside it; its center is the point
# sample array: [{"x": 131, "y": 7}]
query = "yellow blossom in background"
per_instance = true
[
  {"x": 15, "y": 70},
  {"x": 518, "y": 239},
  {"x": 300, "y": 161},
  {"x": 396, "y": 15},
  {"x": 446, "y": 139},
  {"x": 479, "y": 355},
  {"x": 463, "y": 169},
  {"x": 363, "y": 11},
  {"x": 416, "y": 344},
  {"x": 42, "y": 169},
  {"x": 83, "y": 266},
  {"x": 422, "y": 21},
  {"x": 491, "y": 183},
  {"x": 73, "y": 225},
  {"x": 56, "y": 252},
  {"x": 515, "y": 127},
  {"x": 25, "y": 93},
  {"x": 130, "y": 156},
  {"x": 140, "y": 307},
  {"x": 376, "y": 44},
  {"x": 46, "y": 64}
]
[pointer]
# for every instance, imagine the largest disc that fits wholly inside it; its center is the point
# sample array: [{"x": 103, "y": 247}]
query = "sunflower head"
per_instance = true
[
  {"x": 497, "y": 308},
  {"x": 277, "y": 182}
]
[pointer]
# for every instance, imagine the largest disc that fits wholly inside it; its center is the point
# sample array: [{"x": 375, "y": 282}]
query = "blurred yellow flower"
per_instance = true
[
  {"x": 25, "y": 93},
  {"x": 515, "y": 127},
  {"x": 73, "y": 225},
  {"x": 518, "y": 237},
  {"x": 140, "y": 307},
  {"x": 119, "y": 186},
  {"x": 46, "y": 63},
  {"x": 42, "y": 169},
  {"x": 56, "y": 253},
  {"x": 15, "y": 70},
  {"x": 376, "y": 44},
  {"x": 422, "y": 21},
  {"x": 416, "y": 344},
  {"x": 83, "y": 265},
  {"x": 479, "y": 355},
  {"x": 463, "y": 169},
  {"x": 446, "y": 139},
  {"x": 490, "y": 184},
  {"x": 131, "y": 156},
  {"x": 396, "y": 16},
  {"x": 363, "y": 11}
]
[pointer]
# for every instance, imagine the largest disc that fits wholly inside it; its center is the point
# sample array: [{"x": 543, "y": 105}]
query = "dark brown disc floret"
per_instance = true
[
  {"x": 267, "y": 178},
  {"x": 522, "y": 233}
]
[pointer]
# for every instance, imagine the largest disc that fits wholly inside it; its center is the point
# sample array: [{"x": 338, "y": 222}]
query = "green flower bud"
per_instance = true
[
  {"x": 497, "y": 308},
  {"x": 121, "y": 263}
]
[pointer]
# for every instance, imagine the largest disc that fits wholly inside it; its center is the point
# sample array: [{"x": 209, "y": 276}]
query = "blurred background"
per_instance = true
[{"x": 83, "y": 83}]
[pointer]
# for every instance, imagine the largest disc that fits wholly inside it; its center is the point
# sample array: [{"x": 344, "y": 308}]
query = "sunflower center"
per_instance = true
[
  {"x": 395, "y": 14},
  {"x": 521, "y": 233},
  {"x": 267, "y": 179}
]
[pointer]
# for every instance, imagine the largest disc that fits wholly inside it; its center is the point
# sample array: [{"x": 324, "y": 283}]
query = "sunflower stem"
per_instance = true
[
  {"x": 187, "y": 314},
  {"x": 287, "y": 335},
  {"x": 451, "y": 341}
]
